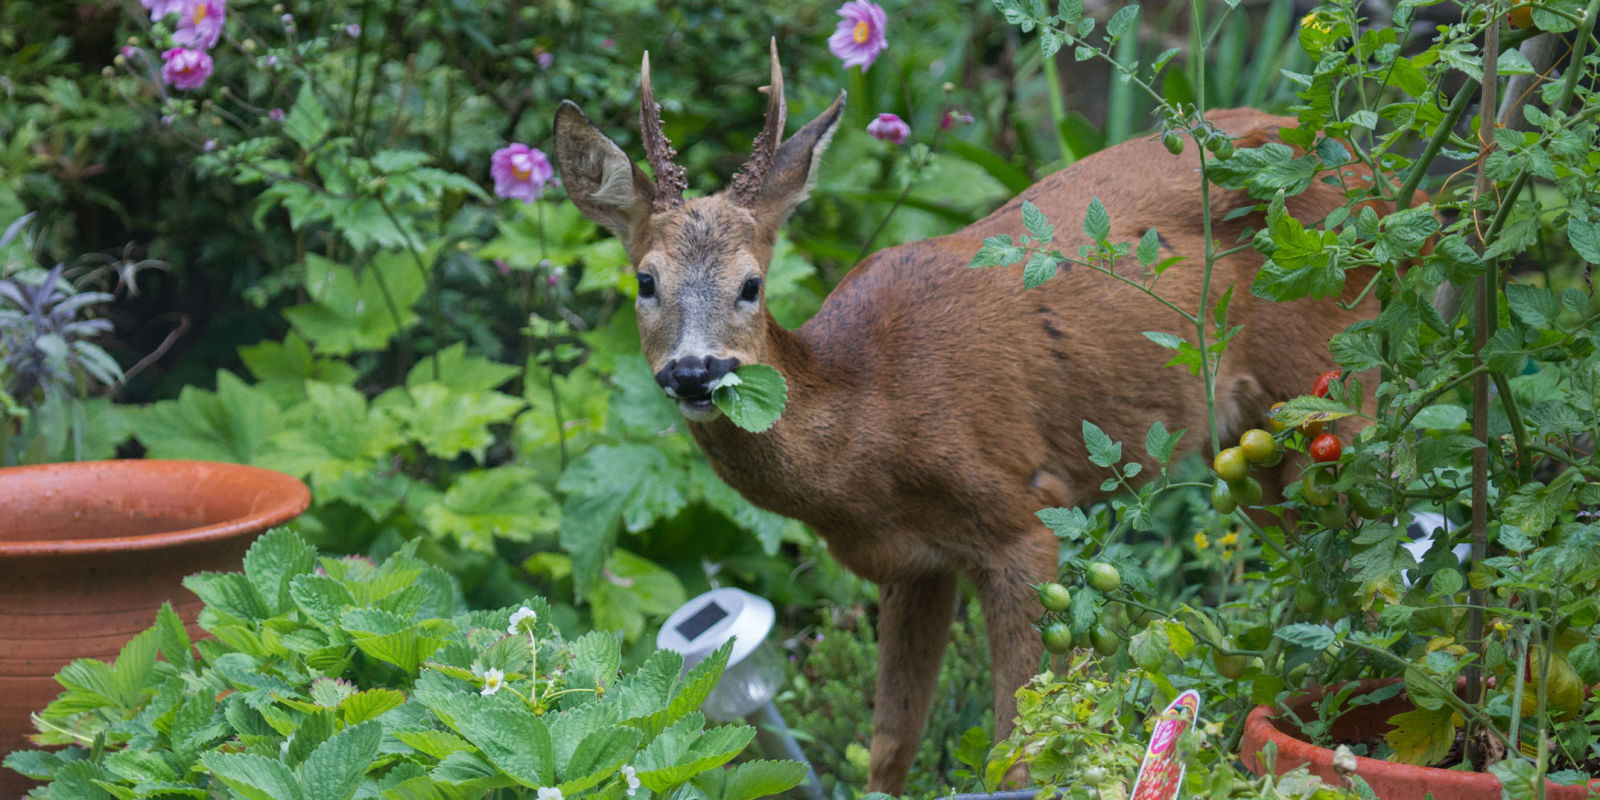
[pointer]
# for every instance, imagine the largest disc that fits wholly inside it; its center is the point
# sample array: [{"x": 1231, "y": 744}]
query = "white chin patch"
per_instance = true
[{"x": 699, "y": 410}]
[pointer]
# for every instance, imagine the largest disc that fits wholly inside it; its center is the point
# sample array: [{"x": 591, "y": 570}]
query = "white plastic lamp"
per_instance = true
[{"x": 754, "y": 671}]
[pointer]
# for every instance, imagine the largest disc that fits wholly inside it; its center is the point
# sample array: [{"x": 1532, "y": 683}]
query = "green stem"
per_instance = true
[
  {"x": 1419, "y": 168},
  {"x": 1058, "y": 108}
]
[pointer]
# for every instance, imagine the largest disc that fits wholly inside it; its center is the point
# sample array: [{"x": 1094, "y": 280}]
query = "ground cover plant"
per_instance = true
[{"x": 351, "y": 262}]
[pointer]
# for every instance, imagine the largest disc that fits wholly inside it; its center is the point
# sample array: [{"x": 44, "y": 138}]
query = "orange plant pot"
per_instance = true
[
  {"x": 1389, "y": 780},
  {"x": 89, "y": 551}
]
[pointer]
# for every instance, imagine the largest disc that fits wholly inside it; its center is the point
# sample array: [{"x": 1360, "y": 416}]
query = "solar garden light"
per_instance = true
[{"x": 754, "y": 671}]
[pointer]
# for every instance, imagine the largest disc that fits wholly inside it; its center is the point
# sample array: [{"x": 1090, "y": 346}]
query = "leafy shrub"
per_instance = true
[
  {"x": 838, "y": 667},
  {"x": 336, "y": 678}
]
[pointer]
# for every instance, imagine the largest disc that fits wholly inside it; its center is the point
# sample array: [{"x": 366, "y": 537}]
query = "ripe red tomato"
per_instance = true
[
  {"x": 1325, "y": 448},
  {"x": 1320, "y": 388}
]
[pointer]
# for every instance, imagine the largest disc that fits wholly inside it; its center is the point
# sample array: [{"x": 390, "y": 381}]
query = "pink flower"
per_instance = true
[
  {"x": 546, "y": 59},
  {"x": 352, "y": 30},
  {"x": 129, "y": 52},
  {"x": 889, "y": 128},
  {"x": 954, "y": 118},
  {"x": 860, "y": 37},
  {"x": 520, "y": 172},
  {"x": 161, "y": 8},
  {"x": 185, "y": 68},
  {"x": 276, "y": 115},
  {"x": 200, "y": 24}
]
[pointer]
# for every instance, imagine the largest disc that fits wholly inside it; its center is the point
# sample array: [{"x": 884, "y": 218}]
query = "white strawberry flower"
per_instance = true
[
  {"x": 493, "y": 679},
  {"x": 550, "y": 793},
  {"x": 517, "y": 619},
  {"x": 633, "y": 779}
]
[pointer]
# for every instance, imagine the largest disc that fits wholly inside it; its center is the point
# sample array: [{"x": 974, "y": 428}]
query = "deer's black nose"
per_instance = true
[{"x": 691, "y": 377}]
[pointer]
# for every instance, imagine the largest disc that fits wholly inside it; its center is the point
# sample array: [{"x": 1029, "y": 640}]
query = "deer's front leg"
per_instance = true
[{"x": 913, "y": 629}]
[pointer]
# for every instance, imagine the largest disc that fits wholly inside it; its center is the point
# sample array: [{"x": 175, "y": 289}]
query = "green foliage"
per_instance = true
[
  {"x": 837, "y": 666},
  {"x": 344, "y": 678}
]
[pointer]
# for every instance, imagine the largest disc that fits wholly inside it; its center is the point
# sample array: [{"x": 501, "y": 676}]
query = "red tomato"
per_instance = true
[
  {"x": 1320, "y": 388},
  {"x": 1326, "y": 448}
]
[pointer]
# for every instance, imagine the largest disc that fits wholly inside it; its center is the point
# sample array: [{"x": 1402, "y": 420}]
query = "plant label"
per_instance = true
[{"x": 1161, "y": 774}]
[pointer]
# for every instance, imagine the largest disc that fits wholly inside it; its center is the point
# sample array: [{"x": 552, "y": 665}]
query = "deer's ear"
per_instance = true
[
  {"x": 600, "y": 178},
  {"x": 794, "y": 166}
]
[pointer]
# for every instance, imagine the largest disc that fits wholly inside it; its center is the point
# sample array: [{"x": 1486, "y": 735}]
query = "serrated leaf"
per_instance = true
[
  {"x": 1535, "y": 306},
  {"x": 438, "y": 744},
  {"x": 1068, "y": 523},
  {"x": 756, "y": 401},
  {"x": 370, "y": 704},
  {"x": 597, "y": 757},
  {"x": 273, "y": 561},
  {"x": 1421, "y": 737},
  {"x": 1102, "y": 450},
  {"x": 334, "y": 769},
  {"x": 229, "y": 592},
  {"x": 682, "y": 752},
  {"x": 1096, "y": 222},
  {"x": 754, "y": 779},
  {"x": 1149, "y": 248},
  {"x": 1585, "y": 238},
  {"x": 253, "y": 777},
  {"x": 1307, "y": 635},
  {"x": 1041, "y": 267},
  {"x": 1034, "y": 221},
  {"x": 515, "y": 741}
]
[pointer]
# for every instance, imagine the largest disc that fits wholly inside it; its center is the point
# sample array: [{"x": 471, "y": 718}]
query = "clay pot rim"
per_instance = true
[
  {"x": 1262, "y": 724},
  {"x": 286, "y": 497}
]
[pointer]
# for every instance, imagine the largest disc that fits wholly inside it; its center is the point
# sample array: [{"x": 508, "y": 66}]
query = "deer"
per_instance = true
[{"x": 933, "y": 409}]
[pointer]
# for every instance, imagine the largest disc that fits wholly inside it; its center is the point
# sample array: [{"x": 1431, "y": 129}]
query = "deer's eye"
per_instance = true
[
  {"x": 647, "y": 285},
  {"x": 752, "y": 288}
]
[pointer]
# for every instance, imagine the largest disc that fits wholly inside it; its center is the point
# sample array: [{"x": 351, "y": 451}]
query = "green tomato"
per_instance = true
[
  {"x": 1246, "y": 492},
  {"x": 1306, "y": 598},
  {"x": 1058, "y": 637},
  {"x": 1106, "y": 641},
  {"x": 1368, "y": 501},
  {"x": 1224, "y": 150},
  {"x": 1314, "y": 487},
  {"x": 1173, "y": 142},
  {"x": 1257, "y": 445},
  {"x": 1231, "y": 465},
  {"x": 1094, "y": 776},
  {"x": 1055, "y": 597},
  {"x": 1149, "y": 652},
  {"x": 1222, "y": 498},
  {"x": 1333, "y": 516},
  {"x": 1230, "y": 667},
  {"x": 1104, "y": 577}
]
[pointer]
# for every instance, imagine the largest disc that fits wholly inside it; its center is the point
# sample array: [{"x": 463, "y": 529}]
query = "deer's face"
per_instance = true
[
  {"x": 700, "y": 303},
  {"x": 702, "y": 262}
]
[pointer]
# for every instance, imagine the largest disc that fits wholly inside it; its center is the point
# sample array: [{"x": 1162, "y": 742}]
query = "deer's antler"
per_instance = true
[
  {"x": 747, "y": 184},
  {"x": 669, "y": 175}
]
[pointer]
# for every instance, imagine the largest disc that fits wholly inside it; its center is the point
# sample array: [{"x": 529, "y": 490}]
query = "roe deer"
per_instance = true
[{"x": 933, "y": 409}]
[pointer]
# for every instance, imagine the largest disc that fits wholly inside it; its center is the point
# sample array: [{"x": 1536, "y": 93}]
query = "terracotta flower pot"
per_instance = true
[
  {"x": 1391, "y": 781},
  {"x": 89, "y": 552}
]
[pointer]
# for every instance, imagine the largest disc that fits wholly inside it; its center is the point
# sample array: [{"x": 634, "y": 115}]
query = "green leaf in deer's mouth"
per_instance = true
[{"x": 753, "y": 396}]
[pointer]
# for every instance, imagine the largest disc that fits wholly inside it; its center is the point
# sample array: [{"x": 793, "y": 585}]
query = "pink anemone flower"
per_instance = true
[{"x": 860, "y": 36}]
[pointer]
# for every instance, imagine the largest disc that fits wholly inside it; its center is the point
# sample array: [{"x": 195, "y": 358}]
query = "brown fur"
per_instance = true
[{"x": 933, "y": 409}]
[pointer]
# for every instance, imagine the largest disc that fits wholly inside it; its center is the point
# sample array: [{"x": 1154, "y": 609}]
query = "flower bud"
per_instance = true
[
  {"x": 948, "y": 87},
  {"x": 248, "y": 45},
  {"x": 121, "y": 61},
  {"x": 133, "y": 41},
  {"x": 109, "y": 72}
]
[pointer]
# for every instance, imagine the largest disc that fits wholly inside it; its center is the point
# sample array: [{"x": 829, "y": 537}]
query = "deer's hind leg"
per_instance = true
[
  {"x": 1010, "y": 608},
  {"x": 914, "y": 617}
]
